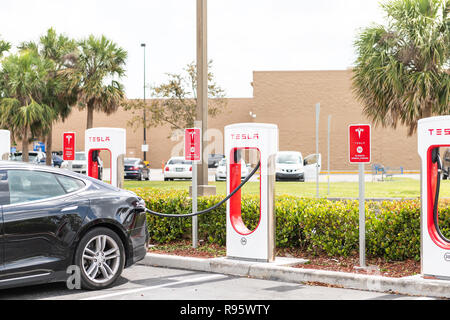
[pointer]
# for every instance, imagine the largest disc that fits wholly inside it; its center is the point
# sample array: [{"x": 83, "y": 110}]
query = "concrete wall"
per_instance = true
[{"x": 286, "y": 98}]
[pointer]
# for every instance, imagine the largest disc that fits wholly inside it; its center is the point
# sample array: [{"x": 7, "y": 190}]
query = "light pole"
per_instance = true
[{"x": 145, "y": 120}]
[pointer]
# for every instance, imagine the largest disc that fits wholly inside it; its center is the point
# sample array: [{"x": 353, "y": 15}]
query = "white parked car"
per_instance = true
[
  {"x": 177, "y": 168},
  {"x": 221, "y": 172},
  {"x": 80, "y": 164},
  {"x": 290, "y": 165},
  {"x": 35, "y": 157}
]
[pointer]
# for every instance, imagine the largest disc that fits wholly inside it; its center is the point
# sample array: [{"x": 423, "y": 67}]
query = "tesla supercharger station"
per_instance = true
[
  {"x": 432, "y": 133},
  {"x": 242, "y": 243},
  {"x": 5, "y": 144},
  {"x": 112, "y": 140}
]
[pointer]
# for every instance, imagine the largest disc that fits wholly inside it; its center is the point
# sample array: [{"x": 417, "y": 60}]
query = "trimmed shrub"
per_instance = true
[{"x": 316, "y": 225}]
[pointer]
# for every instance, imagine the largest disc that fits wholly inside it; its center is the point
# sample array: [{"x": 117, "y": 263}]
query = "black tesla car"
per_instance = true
[{"x": 52, "y": 219}]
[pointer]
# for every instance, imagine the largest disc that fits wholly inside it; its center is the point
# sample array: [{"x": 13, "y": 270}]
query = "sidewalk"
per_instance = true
[{"x": 281, "y": 270}]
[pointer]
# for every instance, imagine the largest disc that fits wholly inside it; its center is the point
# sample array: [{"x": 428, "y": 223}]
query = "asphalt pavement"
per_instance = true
[{"x": 142, "y": 282}]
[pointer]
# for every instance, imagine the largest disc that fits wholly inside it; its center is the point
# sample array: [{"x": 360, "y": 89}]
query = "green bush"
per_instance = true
[{"x": 315, "y": 225}]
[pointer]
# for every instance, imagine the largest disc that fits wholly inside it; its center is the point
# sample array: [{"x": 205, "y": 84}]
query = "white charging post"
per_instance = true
[
  {"x": 5, "y": 144},
  {"x": 242, "y": 243},
  {"x": 108, "y": 139},
  {"x": 432, "y": 133}
]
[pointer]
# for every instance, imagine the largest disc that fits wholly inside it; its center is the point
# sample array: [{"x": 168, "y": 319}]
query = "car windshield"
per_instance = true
[
  {"x": 130, "y": 161},
  {"x": 80, "y": 156},
  {"x": 179, "y": 161},
  {"x": 288, "y": 158}
]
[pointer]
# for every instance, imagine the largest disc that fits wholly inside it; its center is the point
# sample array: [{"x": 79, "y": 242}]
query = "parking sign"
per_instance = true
[
  {"x": 69, "y": 146},
  {"x": 359, "y": 143},
  {"x": 192, "y": 144}
]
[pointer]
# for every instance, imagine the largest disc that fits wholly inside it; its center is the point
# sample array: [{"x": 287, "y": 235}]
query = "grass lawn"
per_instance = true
[{"x": 397, "y": 188}]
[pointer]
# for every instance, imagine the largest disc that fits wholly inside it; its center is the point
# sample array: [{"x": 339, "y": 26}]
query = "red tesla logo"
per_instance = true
[
  {"x": 99, "y": 139},
  {"x": 192, "y": 144},
  {"x": 244, "y": 136},
  {"x": 439, "y": 132},
  {"x": 69, "y": 146},
  {"x": 359, "y": 143}
]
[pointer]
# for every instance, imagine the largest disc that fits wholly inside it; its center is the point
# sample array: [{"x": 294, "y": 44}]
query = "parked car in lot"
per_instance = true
[
  {"x": 34, "y": 157},
  {"x": 54, "y": 218},
  {"x": 290, "y": 165},
  {"x": 135, "y": 168},
  {"x": 177, "y": 168},
  {"x": 56, "y": 160},
  {"x": 221, "y": 172},
  {"x": 214, "y": 159},
  {"x": 80, "y": 164}
]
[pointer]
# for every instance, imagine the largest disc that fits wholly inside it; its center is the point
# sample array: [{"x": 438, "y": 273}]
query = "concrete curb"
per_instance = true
[{"x": 280, "y": 270}]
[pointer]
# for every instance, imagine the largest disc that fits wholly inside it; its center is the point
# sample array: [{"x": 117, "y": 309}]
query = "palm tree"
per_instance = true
[
  {"x": 4, "y": 47},
  {"x": 60, "y": 94},
  {"x": 23, "y": 80},
  {"x": 402, "y": 70},
  {"x": 100, "y": 63}
]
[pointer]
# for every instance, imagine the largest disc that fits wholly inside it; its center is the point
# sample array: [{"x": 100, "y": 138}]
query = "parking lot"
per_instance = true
[
  {"x": 150, "y": 283},
  {"x": 157, "y": 175}
]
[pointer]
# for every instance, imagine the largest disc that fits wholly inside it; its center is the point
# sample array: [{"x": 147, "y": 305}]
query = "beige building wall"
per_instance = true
[{"x": 286, "y": 98}]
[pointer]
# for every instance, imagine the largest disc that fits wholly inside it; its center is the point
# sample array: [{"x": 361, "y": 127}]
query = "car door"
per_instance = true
[
  {"x": 310, "y": 163},
  {"x": 40, "y": 222},
  {"x": 4, "y": 199}
]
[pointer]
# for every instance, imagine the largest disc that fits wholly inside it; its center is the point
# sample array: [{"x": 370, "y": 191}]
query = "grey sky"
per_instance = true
[{"x": 243, "y": 35}]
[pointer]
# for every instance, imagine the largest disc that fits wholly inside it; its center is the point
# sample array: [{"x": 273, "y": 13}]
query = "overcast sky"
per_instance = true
[{"x": 243, "y": 35}]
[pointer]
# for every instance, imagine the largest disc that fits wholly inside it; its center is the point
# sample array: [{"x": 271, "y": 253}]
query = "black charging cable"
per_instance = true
[
  {"x": 435, "y": 158},
  {"x": 159, "y": 214}
]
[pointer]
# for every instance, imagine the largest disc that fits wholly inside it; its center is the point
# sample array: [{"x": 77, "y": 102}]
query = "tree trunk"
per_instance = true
[
  {"x": 427, "y": 109},
  {"x": 90, "y": 117},
  {"x": 48, "y": 150},
  {"x": 25, "y": 157}
]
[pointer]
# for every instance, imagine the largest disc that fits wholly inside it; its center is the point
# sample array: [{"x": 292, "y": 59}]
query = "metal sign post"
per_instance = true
[
  {"x": 192, "y": 152},
  {"x": 328, "y": 149},
  {"x": 317, "y": 148},
  {"x": 360, "y": 152}
]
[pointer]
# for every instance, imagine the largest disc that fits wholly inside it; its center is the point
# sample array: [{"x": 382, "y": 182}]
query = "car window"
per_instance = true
[
  {"x": 312, "y": 160},
  {"x": 175, "y": 161},
  {"x": 80, "y": 156},
  {"x": 4, "y": 190},
  {"x": 70, "y": 184},
  {"x": 27, "y": 185},
  {"x": 288, "y": 158}
]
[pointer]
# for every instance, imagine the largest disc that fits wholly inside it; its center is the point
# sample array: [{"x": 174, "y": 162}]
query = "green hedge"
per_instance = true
[{"x": 315, "y": 225}]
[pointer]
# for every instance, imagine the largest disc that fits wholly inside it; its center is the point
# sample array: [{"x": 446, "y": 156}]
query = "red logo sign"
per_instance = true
[
  {"x": 69, "y": 146},
  {"x": 439, "y": 132},
  {"x": 192, "y": 144},
  {"x": 99, "y": 139},
  {"x": 359, "y": 143},
  {"x": 244, "y": 136}
]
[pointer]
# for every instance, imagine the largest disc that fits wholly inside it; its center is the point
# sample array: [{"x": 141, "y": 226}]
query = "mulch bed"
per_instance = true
[{"x": 375, "y": 266}]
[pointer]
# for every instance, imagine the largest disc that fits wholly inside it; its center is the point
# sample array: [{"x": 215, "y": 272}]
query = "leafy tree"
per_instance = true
[
  {"x": 4, "y": 47},
  {"x": 23, "y": 80},
  {"x": 402, "y": 70},
  {"x": 60, "y": 94},
  {"x": 100, "y": 62},
  {"x": 175, "y": 101}
]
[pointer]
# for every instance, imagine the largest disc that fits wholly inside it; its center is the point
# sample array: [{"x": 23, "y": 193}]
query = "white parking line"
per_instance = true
[{"x": 120, "y": 293}]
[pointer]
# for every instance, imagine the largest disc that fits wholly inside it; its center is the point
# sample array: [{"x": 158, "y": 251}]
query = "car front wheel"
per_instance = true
[{"x": 101, "y": 257}]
